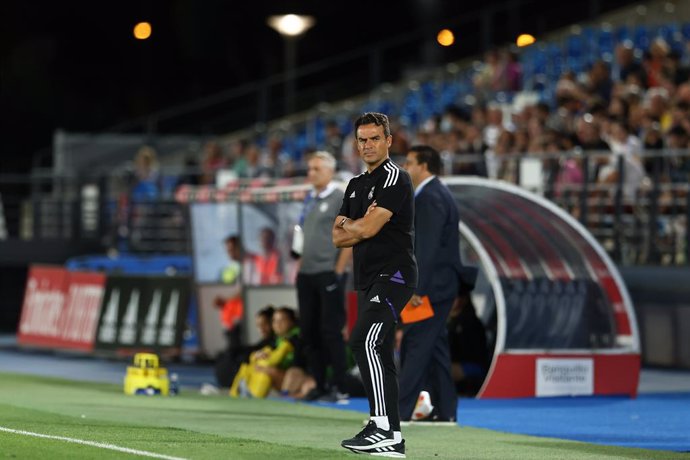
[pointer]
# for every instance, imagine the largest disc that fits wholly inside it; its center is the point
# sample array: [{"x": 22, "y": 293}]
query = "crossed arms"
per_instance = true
[{"x": 348, "y": 232}]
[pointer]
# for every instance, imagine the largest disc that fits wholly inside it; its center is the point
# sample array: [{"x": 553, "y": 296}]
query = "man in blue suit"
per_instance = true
[{"x": 424, "y": 353}]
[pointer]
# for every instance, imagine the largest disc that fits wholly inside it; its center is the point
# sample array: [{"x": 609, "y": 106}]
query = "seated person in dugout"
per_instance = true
[
  {"x": 469, "y": 351},
  {"x": 228, "y": 363},
  {"x": 267, "y": 368}
]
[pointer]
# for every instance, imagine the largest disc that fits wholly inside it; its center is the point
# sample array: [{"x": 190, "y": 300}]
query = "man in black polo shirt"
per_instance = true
[{"x": 376, "y": 219}]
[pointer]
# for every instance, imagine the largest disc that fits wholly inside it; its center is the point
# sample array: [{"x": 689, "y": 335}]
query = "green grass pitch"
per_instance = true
[{"x": 192, "y": 426}]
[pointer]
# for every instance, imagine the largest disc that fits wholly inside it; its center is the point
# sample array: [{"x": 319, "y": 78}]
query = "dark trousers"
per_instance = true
[
  {"x": 373, "y": 343},
  {"x": 322, "y": 318},
  {"x": 228, "y": 362},
  {"x": 425, "y": 365}
]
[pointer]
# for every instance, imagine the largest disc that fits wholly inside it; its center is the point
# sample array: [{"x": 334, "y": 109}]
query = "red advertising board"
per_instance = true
[{"x": 60, "y": 308}]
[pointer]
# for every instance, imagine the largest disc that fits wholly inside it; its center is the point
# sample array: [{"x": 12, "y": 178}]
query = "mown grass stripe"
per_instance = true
[{"x": 101, "y": 445}]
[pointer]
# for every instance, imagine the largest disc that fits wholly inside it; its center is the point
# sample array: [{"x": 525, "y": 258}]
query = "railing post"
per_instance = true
[
  {"x": 103, "y": 223},
  {"x": 584, "y": 191},
  {"x": 618, "y": 211},
  {"x": 76, "y": 209},
  {"x": 652, "y": 250},
  {"x": 687, "y": 225}
]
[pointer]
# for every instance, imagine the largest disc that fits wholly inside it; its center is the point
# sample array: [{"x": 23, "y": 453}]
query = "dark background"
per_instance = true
[{"x": 75, "y": 65}]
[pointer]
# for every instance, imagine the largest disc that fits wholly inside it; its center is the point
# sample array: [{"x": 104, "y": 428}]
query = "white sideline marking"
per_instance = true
[{"x": 92, "y": 443}]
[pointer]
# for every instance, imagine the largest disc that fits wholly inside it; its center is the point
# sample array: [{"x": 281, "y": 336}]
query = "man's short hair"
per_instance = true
[
  {"x": 326, "y": 157},
  {"x": 233, "y": 238},
  {"x": 429, "y": 156},
  {"x": 378, "y": 119}
]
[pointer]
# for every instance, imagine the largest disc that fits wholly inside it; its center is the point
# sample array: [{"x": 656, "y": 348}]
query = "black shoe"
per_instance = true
[
  {"x": 333, "y": 396},
  {"x": 394, "y": 451},
  {"x": 313, "y": 394},
  {"x": 369, "y": 438}
]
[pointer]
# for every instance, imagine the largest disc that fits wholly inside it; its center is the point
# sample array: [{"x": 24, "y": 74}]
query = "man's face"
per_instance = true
[
  {"x": 268, "y": 239},
  {"x": 233, "y": 250},
  {"x": 414, "y": 168},
  {"x": 372, "y": 144},
  {"x": 318, "y": 173}
]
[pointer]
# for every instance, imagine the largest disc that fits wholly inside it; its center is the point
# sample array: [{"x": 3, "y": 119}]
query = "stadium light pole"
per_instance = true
[{"x": 291, "y": 27}]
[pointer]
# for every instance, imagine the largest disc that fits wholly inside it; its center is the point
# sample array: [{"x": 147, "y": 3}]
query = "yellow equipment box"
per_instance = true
[{"x": 146, "y": 377}]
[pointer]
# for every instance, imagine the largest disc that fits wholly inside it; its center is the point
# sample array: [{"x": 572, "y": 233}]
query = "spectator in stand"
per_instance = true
[
  {"x": 627, "y": 65},
  {"x": 212, "y": 161},
  {"x": 235, "y": 154},
  {"x": 657, "y": 108},
  {"x": 676, "y": 72},
  {"x": 493, "y": 125},
  {"x": 472, "y": 146},
  {"x": 506, "y": 164},
  {"x": 599, "y": 81},
  {"x": 569, "y": 174},
  {"x": 520, "y": 141},
  {"x": 349, "y": 154},
  {"x": 500, "y": 71},
  {"x": 655, "y": 62},
  {"x": 333, "y": 140},
  {"x": 513, "y": 72},
  {"x": 147, "y": 178},
  {"x": 623, "y": 144},
  {"x": 619, "y": 108},
  {"x": 588, "y": 139},
  {"x": 276, "y": 161},
  {"x": 488, "y": 78},
  {"x": 401, "y": 141},
  {"x": 249, "y": 165},
  {"x": 678, "y": 141},
  {"x": 656, "y": 167},
  {"x": 190, "y": 175},
  {"x": 266, "y": 267}
]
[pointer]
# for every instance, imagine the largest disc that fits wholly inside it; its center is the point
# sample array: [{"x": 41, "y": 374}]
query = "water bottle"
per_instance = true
[{"x": 174, "y": 384}]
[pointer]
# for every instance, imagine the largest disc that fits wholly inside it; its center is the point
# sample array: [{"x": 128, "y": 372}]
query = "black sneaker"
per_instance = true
[
  {"x": 313, "y": 394},
  {"x": 333, "y": 396},
  {"x": 369, "y": 438}
]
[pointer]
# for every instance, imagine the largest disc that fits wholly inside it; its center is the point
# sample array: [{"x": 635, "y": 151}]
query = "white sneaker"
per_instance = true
[
  {"x": 208, "y": 389},
  {"x": 423, "y": 407}
]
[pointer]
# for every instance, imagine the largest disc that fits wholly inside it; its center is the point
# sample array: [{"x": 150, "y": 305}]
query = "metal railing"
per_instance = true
[
  {"x": 646, "y": 224},
  {"x": 637, "y": 223}
]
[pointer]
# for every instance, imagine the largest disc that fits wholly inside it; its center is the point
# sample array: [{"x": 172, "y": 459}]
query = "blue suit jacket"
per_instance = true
[{"x": 437, "y": 242}]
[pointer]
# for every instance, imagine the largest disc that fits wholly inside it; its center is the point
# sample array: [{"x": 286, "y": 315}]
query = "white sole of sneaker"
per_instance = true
[
  {"x": 379, "y": 454},
  {"x": 388, "y": 454},
  {"x": 366, "y": 449}
]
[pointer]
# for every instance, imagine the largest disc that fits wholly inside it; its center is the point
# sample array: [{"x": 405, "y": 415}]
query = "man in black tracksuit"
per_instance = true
[{"x": 376, "y": 219}]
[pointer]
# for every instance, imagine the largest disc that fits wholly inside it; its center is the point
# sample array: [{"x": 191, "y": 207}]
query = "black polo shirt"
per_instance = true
[{"x": 389, "y": 255}]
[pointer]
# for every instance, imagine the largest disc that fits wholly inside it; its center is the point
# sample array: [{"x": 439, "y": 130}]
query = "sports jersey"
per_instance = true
[{"x": 389, "y": 255}]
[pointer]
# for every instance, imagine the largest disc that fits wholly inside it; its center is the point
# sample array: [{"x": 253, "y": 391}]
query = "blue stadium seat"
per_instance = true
[
  {"x": 685, "y": 30},
  {"x": 575, "y": 47},
  {"x": 605, "y": 41},
  {"x": 622, "y": 33},
  {"x": 641, "y": 38}
]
